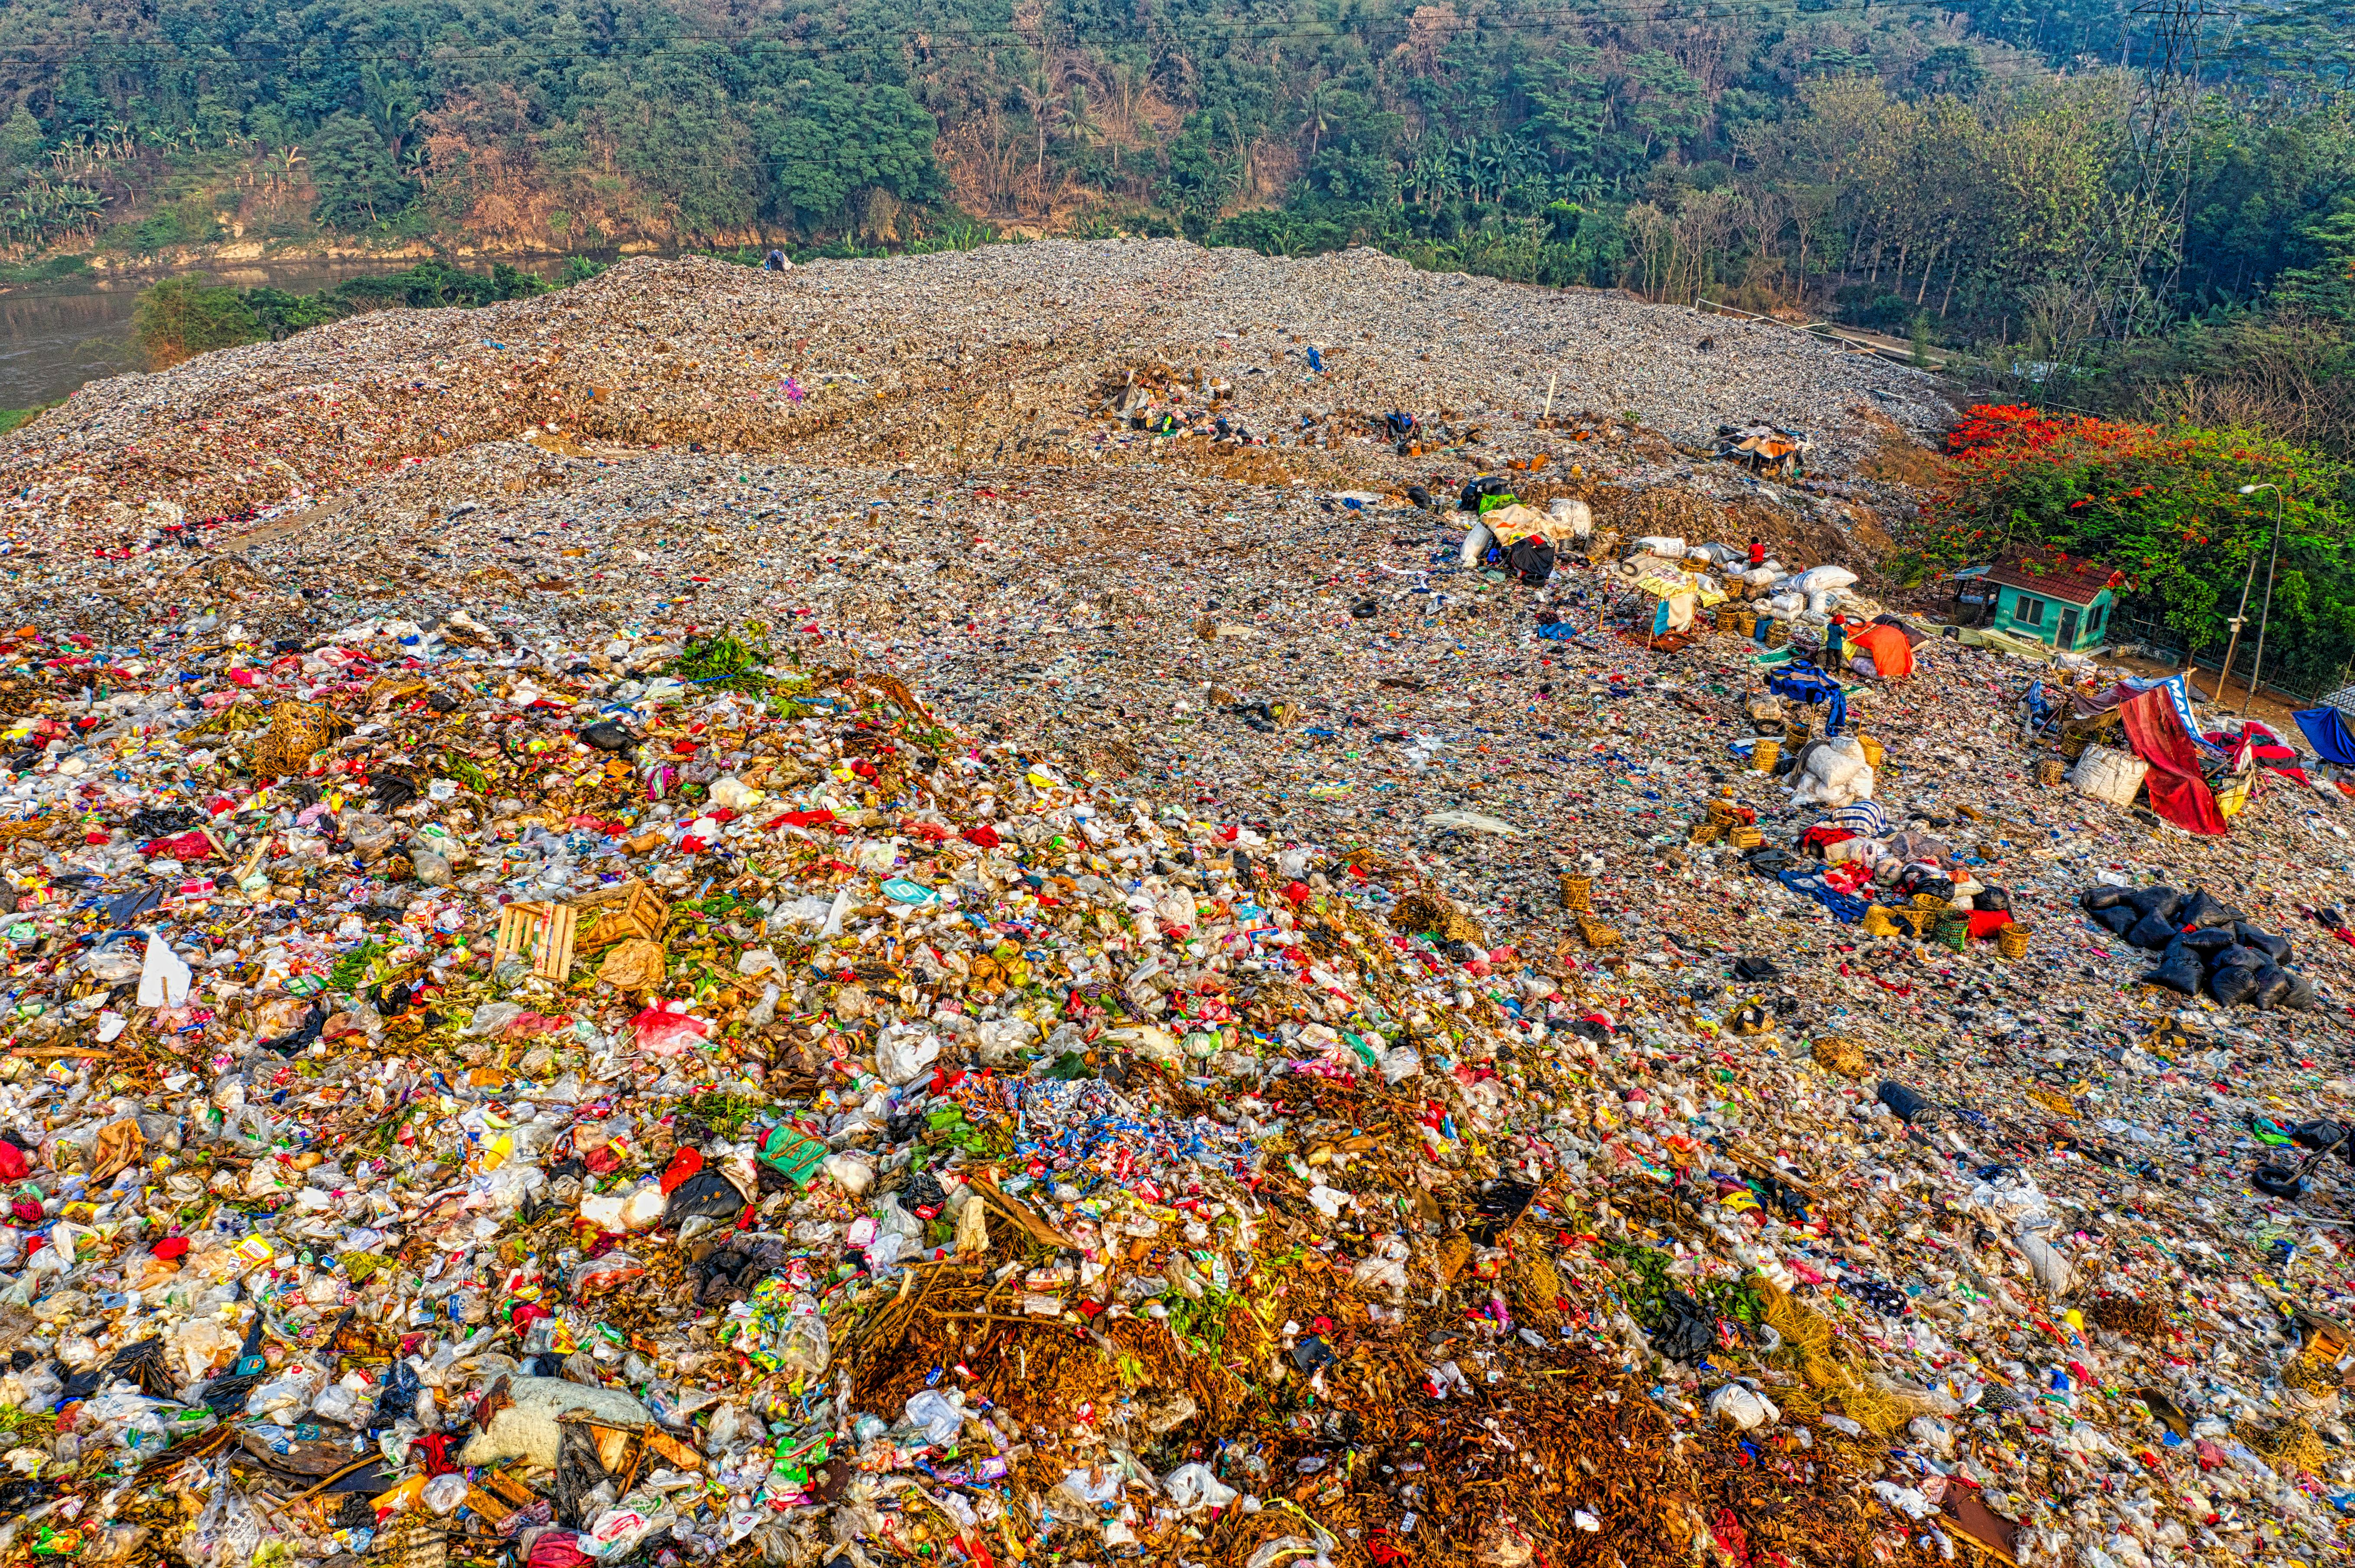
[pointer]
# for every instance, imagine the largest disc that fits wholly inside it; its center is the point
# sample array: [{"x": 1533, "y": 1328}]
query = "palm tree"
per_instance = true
[{"x": 1313, "y": 116}]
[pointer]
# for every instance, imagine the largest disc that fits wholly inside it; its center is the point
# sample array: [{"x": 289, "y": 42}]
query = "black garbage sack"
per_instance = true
[
  {"x": 1772, "y": 860},
  {"x": 1756, "y": 969},
  {"x": 2275, "y": 948},
  {"x": 2180, "y": 971},
  {"x": 1486, "y": 485},
  {"x": 1684, "y": 1330},
  {"x": 924, "y": 1197},
  {"x": 707, "y": 1194},
  {"x": 608, "y": 736},
  {"x": 1497, "y": 1207},
  {"x": 143, "y": 1364},
  {"x": 2204, "y": 909},
  {"x": 2233, "y": 986},
  {"x": 2301, "y": 997},
  {"x": 2093, "y": 900},
  {"x": 2152, "y": 931},
  {"x": 1995, "y": 901},
  {"x": 2274, "y": 984},
  {"x": 163, "y": 821},
  {"x": 2118, "y": 919},
  {"x": 727, "y": 1273},
  {"x": 2162, "y": 902},
  {"x": 2201, "y": 944},
  {"x": 398, "y": 1397},
  {"x": 2235, "y": 957},
  {"x": 1937, "y": 886},
  {"x": 303, "y": 1033},
  {"x": 1906, "y": 1104}
]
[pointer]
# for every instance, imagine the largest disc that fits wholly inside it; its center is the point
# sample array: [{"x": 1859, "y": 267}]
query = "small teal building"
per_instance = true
[{"x": 2065, "y": 605}]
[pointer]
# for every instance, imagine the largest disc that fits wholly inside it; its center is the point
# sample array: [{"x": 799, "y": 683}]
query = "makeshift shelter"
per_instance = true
[
  {"x": 1679, "y": 592},
  {"x": 2179, "y": 790},
  {"x": 2174, "y": 688}
]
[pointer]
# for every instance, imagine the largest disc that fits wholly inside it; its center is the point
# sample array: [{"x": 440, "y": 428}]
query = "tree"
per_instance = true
[
  {"x": 182, "y": 317},
  {"x": 358, "y": 182},
  {"x": 20, "y": 140}
]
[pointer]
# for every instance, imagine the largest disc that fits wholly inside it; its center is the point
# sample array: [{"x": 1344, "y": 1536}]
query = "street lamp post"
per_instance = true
[{"x": 2267, "y": 610}]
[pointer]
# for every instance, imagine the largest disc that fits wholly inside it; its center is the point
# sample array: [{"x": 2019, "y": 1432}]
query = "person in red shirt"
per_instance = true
[{"x": 1757, "y": 553}]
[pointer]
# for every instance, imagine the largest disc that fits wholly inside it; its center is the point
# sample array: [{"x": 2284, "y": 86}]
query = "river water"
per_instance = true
[{"x": 56, "y": 335}]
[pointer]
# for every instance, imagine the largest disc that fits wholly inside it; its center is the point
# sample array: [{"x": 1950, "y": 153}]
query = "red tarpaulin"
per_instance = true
[
  {"x": 1892, "y": 655},
  {"x": 2178, "y": 791}
]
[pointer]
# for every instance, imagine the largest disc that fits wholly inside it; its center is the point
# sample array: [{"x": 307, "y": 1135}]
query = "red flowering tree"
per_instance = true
[{"x": 2163, "y": 507}]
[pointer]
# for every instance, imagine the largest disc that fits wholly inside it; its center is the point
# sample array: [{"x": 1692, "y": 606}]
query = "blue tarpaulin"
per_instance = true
[
  {"x": 1803, "y": 682},
  {"x": 2326, "y": 729}
]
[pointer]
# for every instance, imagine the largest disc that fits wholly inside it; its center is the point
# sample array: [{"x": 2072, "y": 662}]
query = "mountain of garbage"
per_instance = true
[{"x": 1090, "y": 903}]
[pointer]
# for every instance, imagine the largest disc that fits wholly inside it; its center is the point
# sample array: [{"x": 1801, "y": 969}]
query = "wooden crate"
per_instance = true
[
  {"x": 542, "y": 933},
  {"x": 616, "y": 915}
]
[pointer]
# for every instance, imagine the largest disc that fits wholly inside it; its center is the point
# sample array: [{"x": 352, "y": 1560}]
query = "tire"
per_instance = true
[{"x": 2282, "y": 1181}]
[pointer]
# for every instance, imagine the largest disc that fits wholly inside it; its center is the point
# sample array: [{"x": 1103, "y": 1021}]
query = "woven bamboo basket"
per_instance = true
[
  {"x": 1838, "y": 1053},
  {"x": 1763, "y": 756},
  {"x": 2011, "y": 941},
  {"x": 1744, "y": 838},
  {"x": 1873, "y": 750},
  {"x": 2052, "y": 773},
  {"x": 1745, "y": 623},
  {"x": 1953, "y": 932},
  {"x": 1777, "y": 634},
  {"x": 1598, "y": 935},
  {"x": 1878, "y": 922},
  {"x": 1703, "y": 833},
  {"x": 1930, "y": 901},
  {"x": 1577, "y": 893},
  {"x": 1796, "y": 734}
]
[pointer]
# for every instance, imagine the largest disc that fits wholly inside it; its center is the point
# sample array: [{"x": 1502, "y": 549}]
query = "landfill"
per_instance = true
[{"x": 921, "y": 912}]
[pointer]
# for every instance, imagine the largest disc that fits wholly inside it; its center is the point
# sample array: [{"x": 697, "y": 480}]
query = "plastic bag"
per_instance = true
[
  {"x": 2273, "y": 984},
  {"x": 707, "y": 1194},
  {"x": 2152, "y": 931},
  {"x": 939, "y": 1415},
  {"x": 2119, "y": 919},
  {"x": 901, "y": 1058},
  {"x": 2275, "y": 948},
  {"x": 228, "y": 1532},
  {"x": 1743, "y": 1409},
  {"x": 2203, "y": 909},
  {"x": 2093, "y": 900},
  {"x": 443, "y": 1494},
  {"x": 1192, "y": 1488},
  {"x": 663, "y": 1029},
  {"x": 2233, "y": 986},
  {"x": 807, "y": 1346},
  {"x": 2162, "y": 902},
  {"x": 2179, "y": 973}
]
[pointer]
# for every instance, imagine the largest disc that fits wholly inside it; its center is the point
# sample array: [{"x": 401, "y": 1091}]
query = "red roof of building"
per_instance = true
[{"x": 2071, "y": 581}]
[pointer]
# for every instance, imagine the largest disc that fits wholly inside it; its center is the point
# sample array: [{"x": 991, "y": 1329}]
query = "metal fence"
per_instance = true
[{"x": 2166, "y": 643}]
